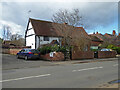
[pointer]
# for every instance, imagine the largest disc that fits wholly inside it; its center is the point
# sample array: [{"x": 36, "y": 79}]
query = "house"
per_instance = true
[
  {"x": 39, "y": 33},
  {"x": 95, "y": 42},
  {"x": 8, "y": 43},
  {"x": 108, "y": 38}
]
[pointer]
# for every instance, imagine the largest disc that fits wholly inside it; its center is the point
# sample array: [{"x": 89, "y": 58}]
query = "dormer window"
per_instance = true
[{"x": 46, "y": 38}]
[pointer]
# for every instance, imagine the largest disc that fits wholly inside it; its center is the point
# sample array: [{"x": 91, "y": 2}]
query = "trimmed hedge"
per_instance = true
[{"x": 48, "y": 49}]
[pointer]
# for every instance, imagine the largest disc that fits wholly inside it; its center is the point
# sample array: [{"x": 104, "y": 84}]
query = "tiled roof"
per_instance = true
[
  {"x": 46, "y": 28},
  {"x": 95, "y": 38}
]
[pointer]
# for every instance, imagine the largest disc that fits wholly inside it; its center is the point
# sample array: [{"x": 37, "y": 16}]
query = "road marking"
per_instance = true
[
  {"x": 25, "y": 78},
  {"x": 115, "y": 65},
  {"x": 81, "y": 63},
  {"x": 87, "y": 69}
]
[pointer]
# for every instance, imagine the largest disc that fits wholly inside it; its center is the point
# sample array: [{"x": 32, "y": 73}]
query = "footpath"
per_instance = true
[{"x": 86, "y": 61}]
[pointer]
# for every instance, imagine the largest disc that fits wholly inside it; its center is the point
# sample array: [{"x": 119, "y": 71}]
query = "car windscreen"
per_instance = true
[{"x": 34, "y": 51}]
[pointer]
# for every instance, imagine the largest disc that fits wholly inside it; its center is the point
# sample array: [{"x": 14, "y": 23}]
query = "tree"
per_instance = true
[
  {"x": 64, "y": 16},
  {"x": 68, "y": 21},
  {"x": 17, "y": 40},
  {"x": 15, "y": 37},
  {"x": 6, "y": 32},
  {"x": 81, "y": 42}
]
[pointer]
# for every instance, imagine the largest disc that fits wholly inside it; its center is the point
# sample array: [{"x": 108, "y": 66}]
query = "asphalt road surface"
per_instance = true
[{"x": 86, "y": 75}]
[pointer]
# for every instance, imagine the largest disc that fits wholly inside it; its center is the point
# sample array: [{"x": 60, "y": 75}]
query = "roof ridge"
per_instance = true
[
  {"x": 53, "y": 22},
  {"x": 40, "y": 20}
]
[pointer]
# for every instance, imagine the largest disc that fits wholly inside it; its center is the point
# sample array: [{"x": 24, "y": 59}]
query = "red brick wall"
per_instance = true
[
  {"x": 58, "y": 56},
  {"x": 76, "y": 54},
  {"x": 106, "y": 54},
  {"x": 6, "y": 51},
  {"x": 12, "y": 50}
]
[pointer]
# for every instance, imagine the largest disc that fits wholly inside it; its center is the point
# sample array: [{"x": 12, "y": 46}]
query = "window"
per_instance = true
[{"x": 46, "y": 38}]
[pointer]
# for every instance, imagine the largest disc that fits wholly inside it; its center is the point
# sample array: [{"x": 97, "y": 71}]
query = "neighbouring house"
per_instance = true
[
  {"x": 39, "y": 33},
  {"x": 95, "y": 42},
  {"x": 8, "y": 43},
  {"x": 108, "y": 38}
]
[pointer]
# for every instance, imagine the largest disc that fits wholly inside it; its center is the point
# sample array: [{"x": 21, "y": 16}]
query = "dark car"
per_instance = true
[{"x": 28, "y": 54}]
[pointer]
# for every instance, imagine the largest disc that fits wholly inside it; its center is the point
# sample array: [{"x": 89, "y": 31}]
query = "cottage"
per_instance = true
[{"x": 39, "y": 33}]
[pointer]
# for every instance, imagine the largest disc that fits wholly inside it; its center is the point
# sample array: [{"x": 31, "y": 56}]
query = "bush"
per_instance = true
[
  {"x": 94, "y": 50},
  {"x": 48, "y": 49},
  {"x": 114, "y": 48},
  {"x": 45, "y": 49}
]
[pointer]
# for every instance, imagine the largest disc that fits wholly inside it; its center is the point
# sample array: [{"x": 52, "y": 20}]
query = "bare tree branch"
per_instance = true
[
  {"x": 6, "y": 32},
  {"x": 68, "y": 21}
]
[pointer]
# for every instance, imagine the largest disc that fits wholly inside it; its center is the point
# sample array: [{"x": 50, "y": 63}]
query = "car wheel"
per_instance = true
[{"x": 26, "y": 57}]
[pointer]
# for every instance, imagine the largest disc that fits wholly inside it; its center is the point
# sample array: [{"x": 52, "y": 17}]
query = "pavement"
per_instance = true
[
  {"x": 80, "y": 75},
  {"x": 11, "y": 62},
  {"x": 106, "y": 85}
]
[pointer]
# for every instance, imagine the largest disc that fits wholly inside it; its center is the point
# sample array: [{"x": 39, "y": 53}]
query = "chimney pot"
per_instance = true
[
  {"x": 119, "y": 34},
  {"x": 114, "y": 32},
  {"x": 65, "y": 23}
]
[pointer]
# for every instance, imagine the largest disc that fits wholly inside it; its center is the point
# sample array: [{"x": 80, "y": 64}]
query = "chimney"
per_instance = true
[
  {"x": 66, "y": 23},
  {"x": 106, "y": 34},
  {"x": 114, "y": 33},
  {"x": 119, "y": 34}
]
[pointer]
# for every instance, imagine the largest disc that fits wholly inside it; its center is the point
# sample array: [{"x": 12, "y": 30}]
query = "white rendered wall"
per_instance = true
[
  {"x": 30, "y": 37},
  {"x": 30, "y": 41},
  {"x": 31, "y": 31},
  {"x": 42, "y": 42}
]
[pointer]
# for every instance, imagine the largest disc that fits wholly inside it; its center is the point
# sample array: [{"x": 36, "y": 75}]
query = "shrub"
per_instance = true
[
  {"x": 114, "y": 48},
  {"x": 62, "y": 49},
  {"x": 94, "y": 50},
  {"x": 45, "y": 49},
  {"x": 48, "y": 49}
]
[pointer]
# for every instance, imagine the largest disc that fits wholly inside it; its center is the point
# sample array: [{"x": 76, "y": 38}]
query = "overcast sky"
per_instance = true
[{"x": 97, "y": 16}]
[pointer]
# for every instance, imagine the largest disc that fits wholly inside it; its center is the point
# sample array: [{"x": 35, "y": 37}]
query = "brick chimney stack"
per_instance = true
[
  {"x": 114, "y": 33},
  {"x": 106, "y": 33},
  {"x": 119, "y": 34},
  {"x": 66, "y": 23}
]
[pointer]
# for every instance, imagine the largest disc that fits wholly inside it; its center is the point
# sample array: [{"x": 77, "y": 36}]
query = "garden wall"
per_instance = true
[
  {"x": 58, "y": 56},
  {"x": 13, "y": 49},
  {"x": 106, "y": 54},
  {"x": 77, "y": 54}
]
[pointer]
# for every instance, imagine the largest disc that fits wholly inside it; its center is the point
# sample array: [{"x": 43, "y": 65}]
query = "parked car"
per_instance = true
[
  {"x": 28, "y": 54},
  {"x": 105, "y": 49}
]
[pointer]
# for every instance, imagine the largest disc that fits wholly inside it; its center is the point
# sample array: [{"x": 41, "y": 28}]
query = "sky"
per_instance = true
[{"x": 101, "y": 16}]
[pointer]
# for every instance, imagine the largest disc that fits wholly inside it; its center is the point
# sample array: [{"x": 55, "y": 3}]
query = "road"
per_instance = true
[{"x": 86, "y": 75}]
